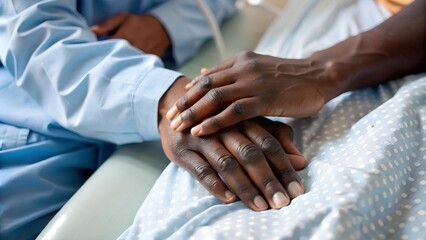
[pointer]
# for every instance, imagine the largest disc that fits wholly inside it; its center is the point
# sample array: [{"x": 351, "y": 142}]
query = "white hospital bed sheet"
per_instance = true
[{"x": 366, "y": 177}]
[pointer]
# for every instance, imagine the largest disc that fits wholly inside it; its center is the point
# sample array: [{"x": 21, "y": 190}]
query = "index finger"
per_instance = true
[
  {"x": 225, "y": 64},
  {"x": 277, "y": 157},
  {"x": 284, "y": 134},
  {"x": 251, "y": 158},
  {"x": 194, "y": 94},
  {"x": 205, "y": 174}
]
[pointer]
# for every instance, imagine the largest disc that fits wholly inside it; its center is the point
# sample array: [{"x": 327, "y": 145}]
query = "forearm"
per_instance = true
[
  {"x": 391, "y": 50},
  {"x": 99, "y": 89}
]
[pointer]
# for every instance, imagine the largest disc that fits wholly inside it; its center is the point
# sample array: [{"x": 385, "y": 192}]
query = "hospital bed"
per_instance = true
[
  {"x": 366, "y": 152},
  {"x": 365, "y": 177},
  {"x": 107, "y": 203}
]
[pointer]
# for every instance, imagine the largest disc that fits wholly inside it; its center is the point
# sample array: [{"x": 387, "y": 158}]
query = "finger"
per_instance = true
[
  {"x": 205, "y": 174},
  {"x": 214, "y": 100},
  {"x": 194, "y": 94},
  {"x": 252, "y": 160},
  {"x": 203, "y": 72},
  {"x": 276, "y": 155},
  {"x": 218, "y": 99},
  {"x": 226, "y": 64},
  {"x": 110, "y": 24},
  {"x": 206, "y": 83},
  {"x": 297, "y": 161},
  {"x": 270, "y": 147},
  {"x": 296, "y": 158},
  {"x": 189, "y": 85},
  {"x": 238, "y": 111},
  {"x": 210, "y": 103},
  {"x": 284, "y": 134},
  {"x": 234, "y": 176}
]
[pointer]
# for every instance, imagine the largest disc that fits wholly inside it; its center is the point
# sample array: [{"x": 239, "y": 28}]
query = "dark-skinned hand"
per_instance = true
[
  {"x": 253, "y": 161},
  {"x": 144, "y": 32},
  {"x": 247, "y": 86},
  {"x": 251, "y": 85}
]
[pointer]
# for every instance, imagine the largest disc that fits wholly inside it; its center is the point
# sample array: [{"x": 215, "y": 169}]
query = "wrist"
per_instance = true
[
  {"x": 350, "y": 64},
  {"x": 333, "y": 75},
  {"x": 342, "y": 65}
]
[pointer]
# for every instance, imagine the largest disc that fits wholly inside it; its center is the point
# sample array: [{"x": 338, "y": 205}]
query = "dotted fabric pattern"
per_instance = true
[
  {"x": 366, "y": 179},
  {"x": 366, "y": 176}
]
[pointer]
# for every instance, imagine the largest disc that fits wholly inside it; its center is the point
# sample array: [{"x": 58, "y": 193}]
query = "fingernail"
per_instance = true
[
  {"x": 196, "y": 130},
  {"x": 295, "y": 189},
  {"x": 176, "y": 123},
  {"x": 172, "y": 113},
  {"x": 229, "y": 196},
  {"x": 188, "y": 86},
  {"x": 280, "y": 200},
  {"x": 260, "y": 203}
]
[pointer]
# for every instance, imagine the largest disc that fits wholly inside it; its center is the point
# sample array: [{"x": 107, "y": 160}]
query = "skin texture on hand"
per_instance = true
[
  {"x": 251, "y": 85},
  {"x": 247, "y": 86},
  {"x": 255, "y": 159},
  {"x": 144, "y": 32}
]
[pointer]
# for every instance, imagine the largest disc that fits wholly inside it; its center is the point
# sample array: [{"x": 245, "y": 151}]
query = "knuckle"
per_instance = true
[
  {"x": 182, "y": 103},
  {"x": 252, "y": 64},
  {"x": 270, "y": 145},
  {"x": 203, "y": 171},
  {"x": 180, "y": 152},
  {"x": 188, "y": 114},
  {"x": 247, "y": 54},
  {"x": 213, "y": 185},
  {"x": 226, "y": 163},
  {"x": 206, "y": 82},
  {"x": 287, "y": 174},
  {"x": 214, "y": 123},
  {"x": 216, "y": 95},
  {"x": 238, "y": 108},
  {"x": 250, "y": 153},
  {"x": 268, "y": 182},
  {"x": 245, "y": 190}
]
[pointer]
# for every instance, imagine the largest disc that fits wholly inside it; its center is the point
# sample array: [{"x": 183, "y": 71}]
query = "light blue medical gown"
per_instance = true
[{"x": 66, "y": 98}]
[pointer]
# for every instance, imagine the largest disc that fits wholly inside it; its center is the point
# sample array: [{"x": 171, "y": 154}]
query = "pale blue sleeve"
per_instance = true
[
  {"x": 187, "y": 26},
  {"x": 105, "y": 90}
]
